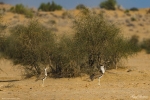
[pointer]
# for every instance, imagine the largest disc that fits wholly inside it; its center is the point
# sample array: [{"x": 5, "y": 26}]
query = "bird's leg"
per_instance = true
[
  {"x": 99, "y": 81},
  {"x": 43, "y": 83},
  {"x": 44, "y": 77}
]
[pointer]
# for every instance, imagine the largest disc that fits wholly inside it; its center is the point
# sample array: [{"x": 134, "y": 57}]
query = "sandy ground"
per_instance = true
[{"x": 130, "y": 83}]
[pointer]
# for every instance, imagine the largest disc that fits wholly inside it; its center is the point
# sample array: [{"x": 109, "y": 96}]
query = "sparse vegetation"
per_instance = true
[
  {"x": 127, "y": 12},
  {"x": 134, "y": 41},
  {"x": 81, "y": 6},
  {"x": 148, "y": 11},
  {"x": 85, "y": 11},
  {"x": 134, "y": 9},
  {"x": 108, "y": 4},
  {"x": 2, "y": 36},
  {"x": 50, "y": 6},
  {"x": 66, "y": 14},
  {"x": 146, "y": 45},
  {"x": 133, "y": 19},
  {"x": 2, "y": 3},
  {"x": 21, "y": 9},
  {"x": 52, "y": 22}
]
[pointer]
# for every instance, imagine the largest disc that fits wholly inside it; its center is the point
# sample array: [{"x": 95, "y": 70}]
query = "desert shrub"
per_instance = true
[
  {"x": 133, "y": 19},
  {"x": 44, "y": 7},
  {"x": 2, "y": 3},
  {"x": 134, "y": 9},
  {"x": 66, "y": 14},
  {"x": 64, "y": 59},
  {"x": 127, "y": 12},
  {"x": 2, "y": 10},
  {"x": 134, "y": 42},
  {"x": 50, "y": 6},
  {"x": 2, "y": 43},
  {"x": 146, "y": 45},
  {"x": 52, "y": 22},
  {"x": 21, "y": 9},
  {"x": 108, "y": 4},
  {"x": 2, "y": 35},
  {"x": 98, "y": 41},
  {"x": 2, "y": 26},
  {"x": 85, "y": 11},
  {"x": 148, "y": 11},
  {"x": 81, "y": 6},
  {"x": 30, "y": 45}
]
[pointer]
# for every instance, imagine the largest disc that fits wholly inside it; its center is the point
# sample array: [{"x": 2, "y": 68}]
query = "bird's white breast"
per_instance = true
[{"x": 102, "y": 69}]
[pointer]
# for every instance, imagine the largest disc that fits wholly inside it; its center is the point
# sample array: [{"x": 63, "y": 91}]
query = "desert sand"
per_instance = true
[{"x": 132, "y": 82}]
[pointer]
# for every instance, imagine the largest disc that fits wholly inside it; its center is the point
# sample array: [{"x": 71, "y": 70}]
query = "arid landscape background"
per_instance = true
[{"x": 131, "y": 81}]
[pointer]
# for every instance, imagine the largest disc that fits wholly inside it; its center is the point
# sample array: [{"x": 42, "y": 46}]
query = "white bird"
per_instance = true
[
  {"x": 43, "y": 76},
  {"x": 102, "y": 71}
]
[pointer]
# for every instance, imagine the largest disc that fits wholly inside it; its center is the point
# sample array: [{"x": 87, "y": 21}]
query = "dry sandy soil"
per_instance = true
[{"x": 130, "y": 83}]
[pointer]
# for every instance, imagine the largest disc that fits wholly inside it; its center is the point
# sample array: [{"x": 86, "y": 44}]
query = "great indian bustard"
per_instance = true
[
  {"x": 102, "y": 70},
  {"x": 43, "y": 76}
]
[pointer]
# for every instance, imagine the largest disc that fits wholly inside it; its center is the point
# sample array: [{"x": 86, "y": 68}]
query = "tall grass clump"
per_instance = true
[
  {"x": 30, "y": 45},
  {"x": 21, "y": 9}
]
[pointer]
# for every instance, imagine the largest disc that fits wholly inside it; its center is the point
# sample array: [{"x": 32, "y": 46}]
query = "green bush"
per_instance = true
[
  {"x": 50, "y": 6},
  {"x": 64, "y": 59},
  {"x": 2, "y": 43},
  {"x": 30, "y": 45},
  {"x": 81, "y": 6},
  {"x": 133, "y": 19},
  {"x": 146, "y": 45},
  {"x": 2, "y": 35},
  {"x": 21, "y": 9},
  {"x": 127, "y": 11},
  {"x": 97, "y": 41},
  {"x": 134, "y": 42},
  {"x": 108, "y": 4},
  {"x": 66, "y": 14},
  {"x": 2, "y": 3},
  {"x": 148, "y": 11},
  {"x": 52, "y": 22},
  {"x": 134, "y": 9}
]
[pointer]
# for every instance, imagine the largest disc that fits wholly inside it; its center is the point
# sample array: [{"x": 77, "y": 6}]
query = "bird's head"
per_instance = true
[{"x": 46, "y": 68}]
